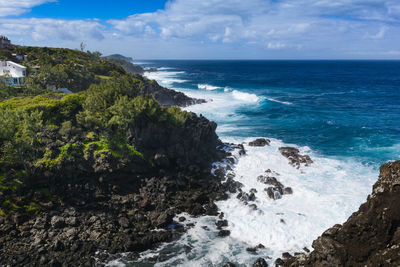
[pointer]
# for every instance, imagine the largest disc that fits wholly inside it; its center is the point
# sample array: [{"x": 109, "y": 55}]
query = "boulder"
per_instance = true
[
  {"x": 221, "y": 223},
  {"x": 369, "y": 237},
  {"x": 57, "y": 222},
  {"x": 294, "y": 157},
  {"x": 260, "y": 142},
  {"x": 224, "y": 233},
  {"x": 260, "y": 262}
]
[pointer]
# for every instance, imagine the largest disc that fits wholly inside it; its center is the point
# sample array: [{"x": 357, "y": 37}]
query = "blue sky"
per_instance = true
[
  {"x": 210, "y": 29},
  {"x": 86, "y": 9}
]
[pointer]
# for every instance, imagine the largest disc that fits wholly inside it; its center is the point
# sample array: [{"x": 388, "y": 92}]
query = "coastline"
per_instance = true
[{"x": 109, "y": 215}]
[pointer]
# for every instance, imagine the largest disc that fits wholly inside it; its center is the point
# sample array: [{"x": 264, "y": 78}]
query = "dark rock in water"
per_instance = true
[
  {"x": 286, "y": 255},
  {"x": 260, "y": 262},
  {"x": 251, "y": 250},
  {"x": 306, "y": 249},
  {"x": 253, "y": 206},
  {"x": 274, "y": 192},
  {"x": 294, "y": 157},
  {"x": 240, "y": 147},
  {"x": 221, "y": 223},
  {"x": 229, "y": 264},
  {"x": 269, "y": 180},
  {"x": 287, "y": 191},
  {"x": 370, "y": 237},
  {"x": 211, "y": 209},
  {"x": 182, "y": 219},
  {"x": 279, "y": 262},
  {"x": 197, "y": 210},
  {"x": 260, "y": 142},
  {"x": 231, "y": 185},
  {"x": 224, "y": 233},
  {"x": 277, "y": 189},
  {"x": 260, "y": 246}
]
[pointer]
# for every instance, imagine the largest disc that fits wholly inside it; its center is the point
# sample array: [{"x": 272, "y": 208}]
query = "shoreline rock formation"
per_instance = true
[
  {"x": 371, "y": 235},
  {"x": 127, "y": 206}
]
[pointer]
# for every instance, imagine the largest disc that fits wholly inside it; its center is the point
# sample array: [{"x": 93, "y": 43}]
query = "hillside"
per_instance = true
[
  {"x": 99, "y": 169},
  {"x": 126, "y": 63}
]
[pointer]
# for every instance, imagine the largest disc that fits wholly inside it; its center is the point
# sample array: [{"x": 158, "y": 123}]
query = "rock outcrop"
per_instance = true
[
  {"x": 370, "y": 237},
  {"x": 276, "y": 189},
  {"x": 98, "y": 205},
  {"x": 168, "y": 97},
  {"x": 294, "y": 157},
  {"x": 260, "y": 142}
]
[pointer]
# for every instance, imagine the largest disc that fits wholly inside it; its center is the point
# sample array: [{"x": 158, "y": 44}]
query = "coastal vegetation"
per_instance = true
[{"x": 97, "y": 120}]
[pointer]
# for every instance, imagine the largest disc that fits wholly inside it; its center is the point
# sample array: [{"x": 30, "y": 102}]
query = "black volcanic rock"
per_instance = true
[
  {"x": 260, "y": 262},
  {"x": 294, "y": 157},
  {"x": 168, "y": 97},
  {"x": 370, "y": 237},
  {"x": 224, "y": 233},
  {"x": 260, "y": 142}
]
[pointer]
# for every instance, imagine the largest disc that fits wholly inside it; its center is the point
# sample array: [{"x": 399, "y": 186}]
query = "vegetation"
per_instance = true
[{"x": 43, "y": 129}]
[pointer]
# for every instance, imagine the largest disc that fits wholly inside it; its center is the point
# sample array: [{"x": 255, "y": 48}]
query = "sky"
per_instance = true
[{"x": 210, "y": 29}]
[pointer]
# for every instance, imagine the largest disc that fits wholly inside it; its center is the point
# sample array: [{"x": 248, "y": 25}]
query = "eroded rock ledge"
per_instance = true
[{"x": 370, "y": 237}]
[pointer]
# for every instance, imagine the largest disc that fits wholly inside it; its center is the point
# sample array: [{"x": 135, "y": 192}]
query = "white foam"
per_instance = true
[
  {"x": 246, "y": 97},
  {"x": 278, "y": 101},
  {"x": 208, "y": 87},
  {"x": 325, "y": 193},
  {"x": 165, "y": 78}
]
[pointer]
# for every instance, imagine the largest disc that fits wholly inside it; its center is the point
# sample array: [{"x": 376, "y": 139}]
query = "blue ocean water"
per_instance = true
[
  {"x": 337, "y": 108},
  {"x": 343, "y": 114}
]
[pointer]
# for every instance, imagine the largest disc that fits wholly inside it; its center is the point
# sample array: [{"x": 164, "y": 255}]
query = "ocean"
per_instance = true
[{"x": 344, "y": 114}]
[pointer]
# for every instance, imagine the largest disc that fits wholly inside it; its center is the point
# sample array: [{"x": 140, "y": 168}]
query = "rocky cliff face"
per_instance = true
[
  {"x": 96, "y": 206},
  {"x": 168, "y": 97},
  {"x": 370, "y": 237}
]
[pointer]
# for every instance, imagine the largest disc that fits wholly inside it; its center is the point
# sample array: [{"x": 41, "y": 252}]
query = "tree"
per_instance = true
[
  {"x": 83, "y": 46},
  {"x": 19, "y": 129}
]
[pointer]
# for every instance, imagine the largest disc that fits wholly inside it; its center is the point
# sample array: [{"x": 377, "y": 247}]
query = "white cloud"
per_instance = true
[
  {"x": 53, "y": 29},
  {"x": 276, "y": 45},
  {"x": 379, "y": 35},
  {"x": 254, "y": 28},
  {"x": 18, "y": 7}
]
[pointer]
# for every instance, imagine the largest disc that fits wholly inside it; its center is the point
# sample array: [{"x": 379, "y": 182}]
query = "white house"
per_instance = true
[{"x": 12, "y": 73}]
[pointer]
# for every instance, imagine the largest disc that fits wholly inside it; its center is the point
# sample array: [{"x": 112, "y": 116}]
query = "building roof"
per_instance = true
[{"x": 16, "y": 64}]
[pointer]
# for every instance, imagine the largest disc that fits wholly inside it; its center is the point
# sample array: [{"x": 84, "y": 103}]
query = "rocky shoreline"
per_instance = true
[
  {"x": 100, "y": 206},
  {"x": 370, "y": 237}
]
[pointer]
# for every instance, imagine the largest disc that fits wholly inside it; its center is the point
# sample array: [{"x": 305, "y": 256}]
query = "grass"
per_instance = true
[{"x": 117, "y": 149}]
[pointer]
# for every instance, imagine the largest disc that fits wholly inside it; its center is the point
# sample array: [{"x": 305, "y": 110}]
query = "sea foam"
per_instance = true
[
  {"x": 207, "y": 87},
  {"x": 165, "y": 78},
  {"x": 246, "y": 97},
  {"x": 278, "y": 101},
  {"x": 324, "y": 193}
]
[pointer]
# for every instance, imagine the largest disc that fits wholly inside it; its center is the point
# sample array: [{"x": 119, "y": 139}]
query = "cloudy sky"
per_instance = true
[{"x": 210, "y": 29}]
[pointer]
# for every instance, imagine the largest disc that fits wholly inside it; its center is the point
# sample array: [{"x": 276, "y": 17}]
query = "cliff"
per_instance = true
[
  {"x": 102, "y": 171},
  {"x": 370, "y": 237}
]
